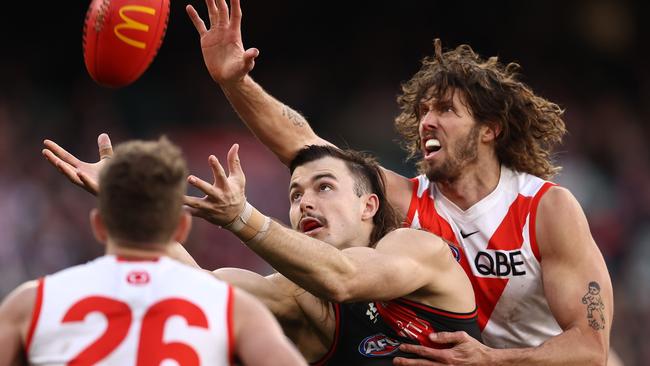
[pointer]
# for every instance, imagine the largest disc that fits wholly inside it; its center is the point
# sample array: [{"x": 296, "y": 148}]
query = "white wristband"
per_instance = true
[{"x": 250, "y": 224}]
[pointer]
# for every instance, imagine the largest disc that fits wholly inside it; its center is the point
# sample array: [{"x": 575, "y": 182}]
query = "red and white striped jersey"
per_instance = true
[
  {"x": 115, "y": 311},
  {"x": 494, "y": 241}
]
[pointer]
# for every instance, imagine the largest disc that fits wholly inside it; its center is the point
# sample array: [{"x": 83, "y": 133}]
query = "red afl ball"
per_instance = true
[{"x": 122, "y": 37}]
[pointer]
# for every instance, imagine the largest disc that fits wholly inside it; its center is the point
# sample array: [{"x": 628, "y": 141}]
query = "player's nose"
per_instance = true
[
  {"x": 429, "y": 121},
  {"x": 307, "y": 202}
]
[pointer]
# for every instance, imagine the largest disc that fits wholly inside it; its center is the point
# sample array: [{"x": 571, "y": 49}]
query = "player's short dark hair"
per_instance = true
[
  {"x": 368, "y": 178},
  {"x": 141, "y": 191}
]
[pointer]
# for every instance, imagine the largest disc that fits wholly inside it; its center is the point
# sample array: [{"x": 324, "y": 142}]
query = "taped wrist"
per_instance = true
[{"x": 250, "y": 224}]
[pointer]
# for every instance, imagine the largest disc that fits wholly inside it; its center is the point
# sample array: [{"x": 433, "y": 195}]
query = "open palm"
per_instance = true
[
  {"x": 222, "y": 46},
  {"x": 225, "y": 198},
  {"x": 81, "y": 173}
]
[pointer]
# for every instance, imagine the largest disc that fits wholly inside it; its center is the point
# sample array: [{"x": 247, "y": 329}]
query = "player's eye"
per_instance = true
[
  {"x": 423, "y": 108},
  {"x": 446, "y": 108},
  {"x": 325, "y": 187},
  {"x": 295, "y": 196}
]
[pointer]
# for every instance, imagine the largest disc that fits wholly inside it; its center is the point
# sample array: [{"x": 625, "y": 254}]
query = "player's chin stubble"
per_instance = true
[{"x": 458, "y": 157}]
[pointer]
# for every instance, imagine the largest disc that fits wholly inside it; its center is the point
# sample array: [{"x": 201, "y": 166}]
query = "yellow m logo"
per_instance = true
[{"x": 132, "y": 24}]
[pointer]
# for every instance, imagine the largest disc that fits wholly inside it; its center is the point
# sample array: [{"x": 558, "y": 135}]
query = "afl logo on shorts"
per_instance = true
[
  {"x": 138, "y": 278},
  {"x": 455, "y": 252},
  {"x": 378, "y": 345}
]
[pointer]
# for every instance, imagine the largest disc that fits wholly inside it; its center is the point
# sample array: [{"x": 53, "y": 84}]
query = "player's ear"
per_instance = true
[
  {"x": 370, "y": 207},
  {"x": 490, "y": 131},
  {"x": 183, "y": 228},
  {"x": 97, "y": 224}
]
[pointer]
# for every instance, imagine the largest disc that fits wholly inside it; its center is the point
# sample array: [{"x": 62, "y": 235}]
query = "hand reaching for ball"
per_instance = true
[{"x": 222, "y": 46}]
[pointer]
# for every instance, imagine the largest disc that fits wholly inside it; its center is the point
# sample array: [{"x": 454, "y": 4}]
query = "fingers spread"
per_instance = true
[
  {"x": 89, "y": 184},
  {"x": 220, "y": 178},
  {"x": 65, "y": 168},
  {"x": 213, "y": 12},
  {"x": 234, "y": 164},
  {"x": 192, "y": 202},
  {"x": 61, "y": 153},
  {"x": 235, "y": 13},
  {"x": 224, "y": 16},
  {"x": 69, "y": 172},
  {"x": 195, "y": 206},
  {"x": 202, "y": 185},
  {"x": 196, "y": 20},
  {"x": 49, "y": 155}
]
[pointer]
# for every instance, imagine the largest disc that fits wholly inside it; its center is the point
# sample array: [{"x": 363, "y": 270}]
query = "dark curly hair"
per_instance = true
[{"x": 530, "y": 125}]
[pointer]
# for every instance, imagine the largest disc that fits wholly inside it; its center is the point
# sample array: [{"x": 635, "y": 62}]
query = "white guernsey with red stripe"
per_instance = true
[
  {"x": 494, "y": 241},
  {"x": 115, "y": 311}
]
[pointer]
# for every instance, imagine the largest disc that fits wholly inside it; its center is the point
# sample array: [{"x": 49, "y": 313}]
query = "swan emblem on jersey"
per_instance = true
[
  {"x": 378, "y": 345},
  {"x": 455, "y": 252},
  {"x": 138, "y": 278}
]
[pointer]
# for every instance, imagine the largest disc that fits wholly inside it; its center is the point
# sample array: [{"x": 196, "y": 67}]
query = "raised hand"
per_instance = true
[
  {"x": 225, "y": 198},
  {"x": 222, "y": 46},
  {"x": 85, "y": 175}
]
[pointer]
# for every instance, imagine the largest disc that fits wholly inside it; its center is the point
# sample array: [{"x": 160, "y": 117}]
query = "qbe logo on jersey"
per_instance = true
[
  {"x": 378, "y": 345},
  {"x": 500, "y": 263}
]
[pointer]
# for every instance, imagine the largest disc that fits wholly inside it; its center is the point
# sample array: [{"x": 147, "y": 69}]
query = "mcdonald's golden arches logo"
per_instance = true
[{"x": 129, "y": 23}]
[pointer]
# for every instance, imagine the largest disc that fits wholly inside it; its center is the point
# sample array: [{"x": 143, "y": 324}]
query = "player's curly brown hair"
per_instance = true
[{"x": 530, "y": 125}]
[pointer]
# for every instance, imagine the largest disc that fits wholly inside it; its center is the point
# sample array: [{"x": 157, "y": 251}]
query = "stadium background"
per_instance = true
[{"x": 340, "y": 64}]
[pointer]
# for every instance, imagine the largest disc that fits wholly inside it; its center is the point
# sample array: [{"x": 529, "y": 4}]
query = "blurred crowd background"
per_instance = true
[{"x": 341, "y": 65}]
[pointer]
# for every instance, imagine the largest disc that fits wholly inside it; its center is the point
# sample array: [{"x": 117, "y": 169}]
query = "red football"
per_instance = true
[{"x": 122, "y": 37}]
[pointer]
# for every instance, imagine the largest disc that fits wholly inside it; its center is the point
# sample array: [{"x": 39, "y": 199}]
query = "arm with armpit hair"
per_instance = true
[{"x": 578, "y": 290}]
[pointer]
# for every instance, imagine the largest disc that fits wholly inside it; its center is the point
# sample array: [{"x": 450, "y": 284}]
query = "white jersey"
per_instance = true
[
  {"x": 494, "y": 241},
  {"x": 115, "y": 311}
]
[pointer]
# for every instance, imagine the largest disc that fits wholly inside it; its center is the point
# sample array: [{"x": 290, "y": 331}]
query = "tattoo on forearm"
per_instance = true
[
  {"x": 294, "y": 117},
  {"x": 595, "y": 306}
]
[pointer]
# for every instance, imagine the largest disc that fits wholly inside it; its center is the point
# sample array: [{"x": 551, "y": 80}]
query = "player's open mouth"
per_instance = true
[
  {"x": 431, "y": 147},
  {"x": 310, "y": 226}
]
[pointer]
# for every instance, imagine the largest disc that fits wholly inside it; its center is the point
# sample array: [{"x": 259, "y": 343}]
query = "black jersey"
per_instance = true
[{"x": 370, "y": 333}]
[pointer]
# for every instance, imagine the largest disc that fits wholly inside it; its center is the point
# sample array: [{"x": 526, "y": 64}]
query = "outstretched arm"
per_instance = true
[
  {"x": 279, "y": 127},
  {"x": 403, "y": 261},
  {"x": 283, "y": 130},
  {"x": 575, "y": 278}
]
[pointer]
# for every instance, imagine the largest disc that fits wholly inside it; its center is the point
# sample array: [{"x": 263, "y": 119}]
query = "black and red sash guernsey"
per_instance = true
[{"x": 370, "y": 333}]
